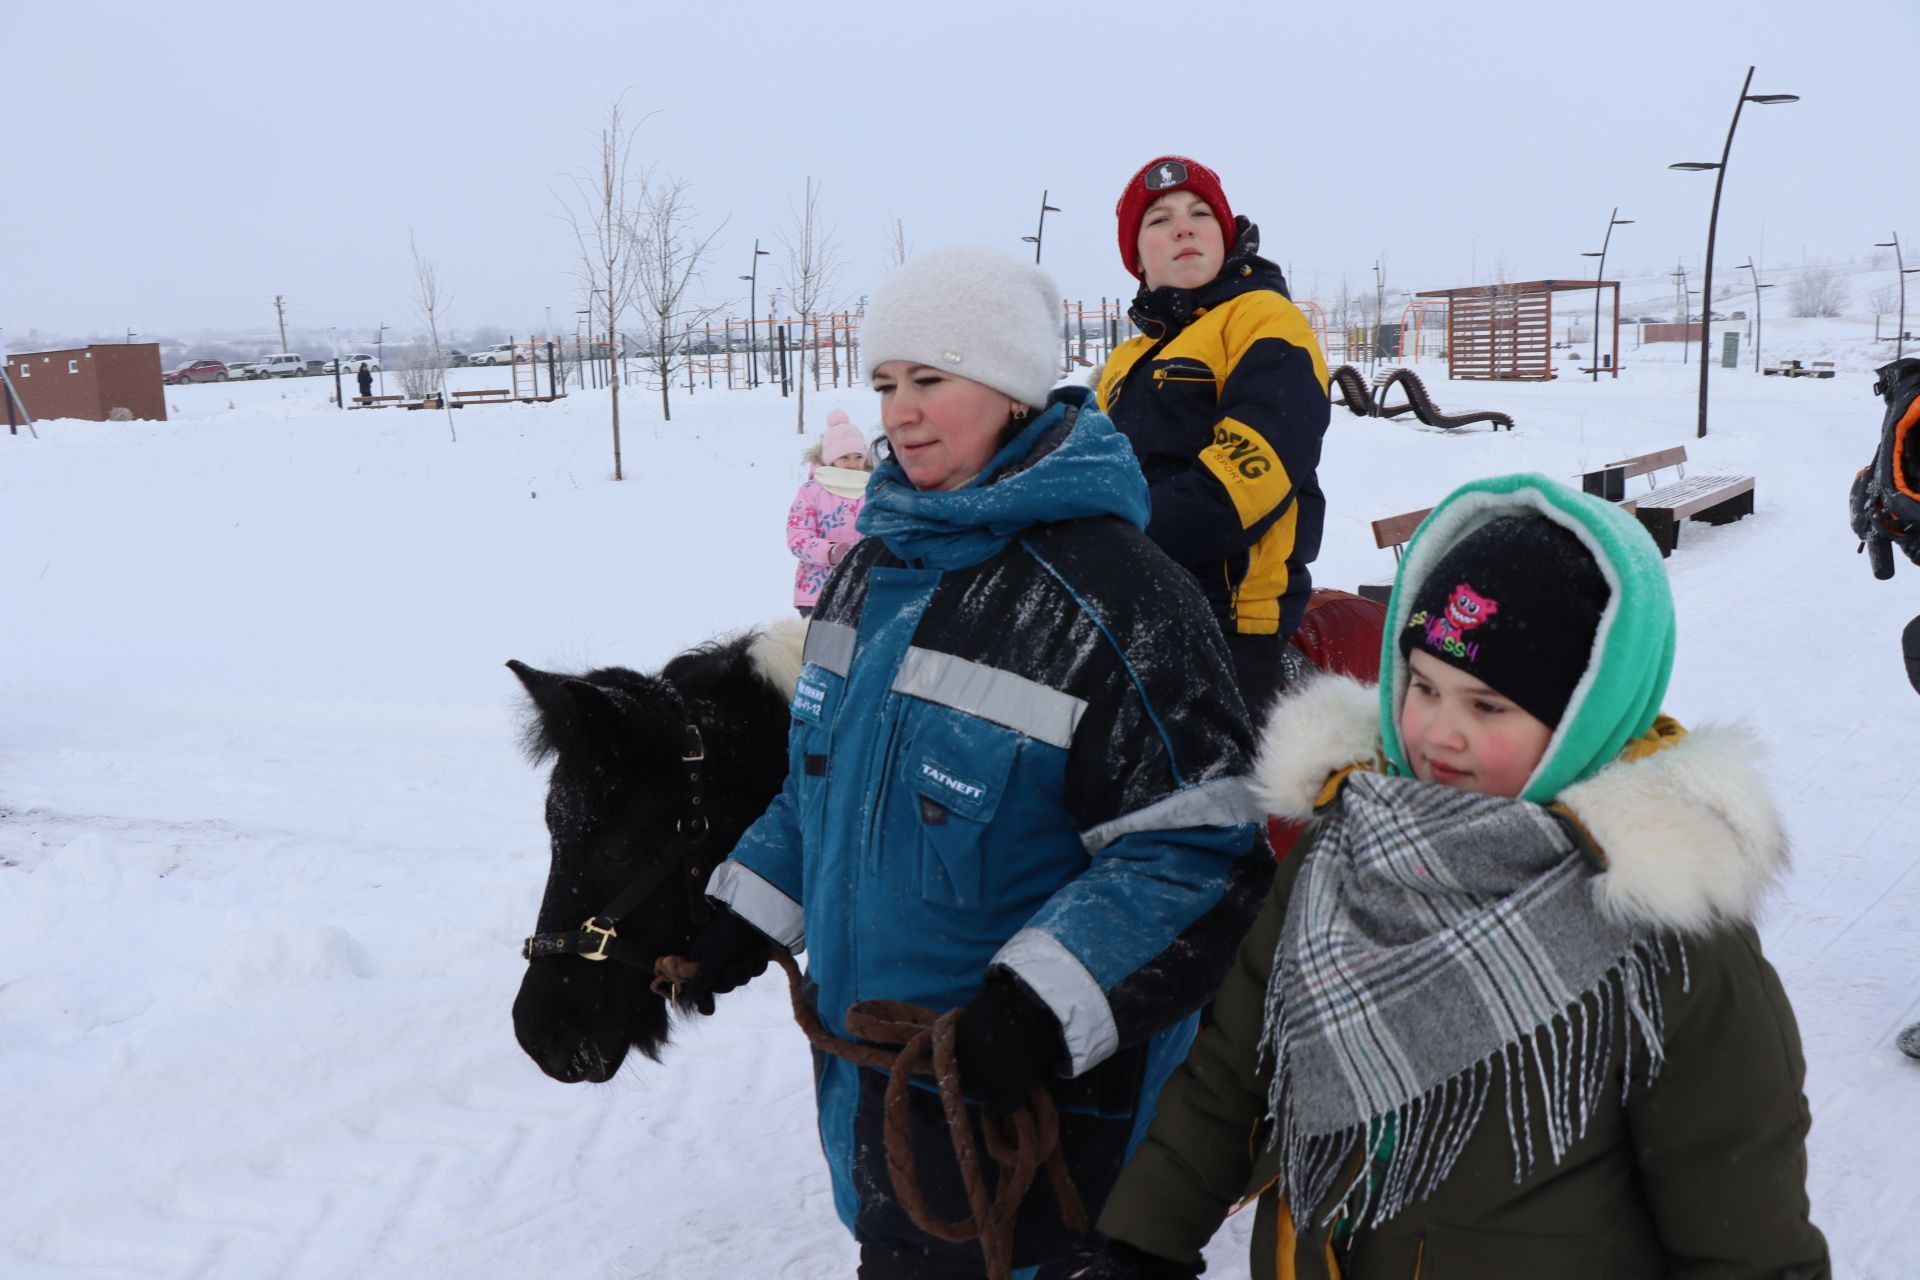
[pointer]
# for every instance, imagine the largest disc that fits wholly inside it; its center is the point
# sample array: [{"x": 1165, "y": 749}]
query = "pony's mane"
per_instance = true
[{"x": 769, "y": 657}]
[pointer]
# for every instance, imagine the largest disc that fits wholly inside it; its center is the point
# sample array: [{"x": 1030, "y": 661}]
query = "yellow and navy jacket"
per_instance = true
[{"x": 1224, "y": 399}]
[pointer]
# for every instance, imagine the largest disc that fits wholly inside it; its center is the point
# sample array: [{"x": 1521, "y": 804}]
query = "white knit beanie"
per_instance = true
[{"x": 972, "y": 312}]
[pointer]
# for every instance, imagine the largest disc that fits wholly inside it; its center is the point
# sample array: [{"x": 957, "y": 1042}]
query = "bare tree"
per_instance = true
[
  {"x": 417, "y": 370},
  {"x": 812, "y": 263},
  {"x": 431, "y": 305},
  {"x": 607, "y": 198},
  {"x": 1820, "y": 291},
  {"x": 897, "y": 244},
  {"x": 668, "y": 256}
]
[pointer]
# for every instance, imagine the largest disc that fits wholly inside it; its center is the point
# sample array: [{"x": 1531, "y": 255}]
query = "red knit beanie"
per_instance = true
[{"x": 1155, "y": 179}]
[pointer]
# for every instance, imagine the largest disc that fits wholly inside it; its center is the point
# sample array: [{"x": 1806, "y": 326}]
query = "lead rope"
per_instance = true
[{"x": 903, "y": 1037}]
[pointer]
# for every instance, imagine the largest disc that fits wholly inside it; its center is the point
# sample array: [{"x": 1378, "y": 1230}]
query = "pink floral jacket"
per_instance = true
[{"x": 817, "y": 520}]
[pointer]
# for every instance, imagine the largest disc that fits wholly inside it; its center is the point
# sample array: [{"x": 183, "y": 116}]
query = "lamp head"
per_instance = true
[
  {"x": 1695, "y": 166},
  {"x": 1769, "y": 99}
]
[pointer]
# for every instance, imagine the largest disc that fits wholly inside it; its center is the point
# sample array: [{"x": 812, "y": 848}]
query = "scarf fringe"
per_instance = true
[{"x": 1565, "y": 1060}]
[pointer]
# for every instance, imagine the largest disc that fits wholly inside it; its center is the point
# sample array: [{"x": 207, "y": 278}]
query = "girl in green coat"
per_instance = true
[{"x": 1505, "y": 1014}]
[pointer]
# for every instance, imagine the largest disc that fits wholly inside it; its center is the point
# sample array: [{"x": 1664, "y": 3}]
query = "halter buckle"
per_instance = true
[{"x": 606, "y": 933}]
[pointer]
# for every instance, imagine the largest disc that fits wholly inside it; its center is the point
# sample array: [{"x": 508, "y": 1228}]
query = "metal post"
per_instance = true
[
  {"x": 1757, "y": 287},
  {"x": 1900, "y": 274},
  {"x": 1713, "y": 218},
  {"x": 1039, "y": 232},
  {"x": 1613, "y": 220}
]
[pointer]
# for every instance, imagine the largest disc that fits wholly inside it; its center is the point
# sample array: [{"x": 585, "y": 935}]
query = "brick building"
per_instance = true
[{"x": 90, "y": 382}]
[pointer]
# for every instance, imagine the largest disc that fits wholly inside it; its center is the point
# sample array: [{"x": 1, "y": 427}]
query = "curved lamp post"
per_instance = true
[
  {"x": 1757, "y": 287},
  {"x": 1901, "y": 272},
  {"x": 1700, "y": 166},
  {"x": 1040, "y": 230},
  {"x": 1600, "y": 273},
  {"x": 753, "y": 283}
]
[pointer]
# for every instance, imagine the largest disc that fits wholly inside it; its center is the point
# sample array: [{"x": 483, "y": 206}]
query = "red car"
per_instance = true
[{"x": 196, "y": 371}]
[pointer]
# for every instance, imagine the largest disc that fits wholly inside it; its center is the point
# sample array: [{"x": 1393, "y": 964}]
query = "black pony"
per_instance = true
[{"x": 617, "y": 797}]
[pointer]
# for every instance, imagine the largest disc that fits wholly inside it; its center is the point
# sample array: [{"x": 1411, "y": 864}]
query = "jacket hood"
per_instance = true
[
  {"x": 1682, "y": 821},
  {"x": 1626, "y": 678},
  {"x": 1158, "y": 312},
  {"x": 1068, "y": 464}
]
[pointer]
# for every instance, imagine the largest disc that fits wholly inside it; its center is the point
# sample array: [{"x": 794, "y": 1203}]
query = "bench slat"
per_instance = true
[{"x": 1686, "y": 497}]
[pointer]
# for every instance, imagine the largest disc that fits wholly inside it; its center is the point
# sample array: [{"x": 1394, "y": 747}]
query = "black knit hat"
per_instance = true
[{"x": 1515, "y": 604}]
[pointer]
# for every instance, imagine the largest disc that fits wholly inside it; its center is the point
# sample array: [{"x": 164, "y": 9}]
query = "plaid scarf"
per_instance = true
[{"x": 1432, "y": 933}]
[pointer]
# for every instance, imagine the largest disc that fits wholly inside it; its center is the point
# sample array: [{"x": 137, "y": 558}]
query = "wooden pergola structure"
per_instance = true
[{"x": 1504, "y": 332}]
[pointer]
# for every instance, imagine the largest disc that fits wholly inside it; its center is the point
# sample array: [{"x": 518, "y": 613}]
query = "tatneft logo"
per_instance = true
[
  {"x": 950, "y": 782},
  {"x": 1247, "y": 457},
  {"x": 808, "y": 699}
]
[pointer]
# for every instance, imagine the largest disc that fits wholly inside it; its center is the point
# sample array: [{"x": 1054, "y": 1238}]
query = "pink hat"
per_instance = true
[{"x": 841, "y": 437}]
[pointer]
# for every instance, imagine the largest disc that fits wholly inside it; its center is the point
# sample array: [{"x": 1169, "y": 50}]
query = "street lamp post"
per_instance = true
[
  {"x": 1757, "y": 287},
  {"x": 380, "y": 348},
  {"x": 1600, "y": 273},
  {"x": 753, "y": 284},
  {"x": 1700, "y": 166},
  {"x": 131, "y": 335},
  {"x": 1901, "y": 271},
  {"x": 1041, "y": 230}
]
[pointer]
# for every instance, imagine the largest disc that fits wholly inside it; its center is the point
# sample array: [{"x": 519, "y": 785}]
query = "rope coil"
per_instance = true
[{"x": 903, "y": 1040}]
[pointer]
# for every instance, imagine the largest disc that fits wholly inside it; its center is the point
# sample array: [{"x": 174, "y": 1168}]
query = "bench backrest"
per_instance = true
[
  {"x": 1393, "y": 531},
  {"x": 1639, "y": 466}
]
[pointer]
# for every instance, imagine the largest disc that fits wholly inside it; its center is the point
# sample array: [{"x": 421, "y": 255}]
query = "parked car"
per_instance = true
[
  {"x": 196, "y": 371},
  {"x": 245, "y": 369},
  {"x": 351, "y": 364},
  {"x": 498, "y": 353},
  {"x": 315, "y": 366},
  {"x": 455, "y": 359},
  {"x": 282, "y": 364}
]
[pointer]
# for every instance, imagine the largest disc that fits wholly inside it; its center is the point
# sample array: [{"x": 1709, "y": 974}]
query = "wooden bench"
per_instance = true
[
  {"x": 1391, "y": 533},
  {"x": 375, "y": 402},
  {"x": 1819, "y": 369},
  {"x": 1714, "y": 499},
  {"x": 483, "y": 393}
]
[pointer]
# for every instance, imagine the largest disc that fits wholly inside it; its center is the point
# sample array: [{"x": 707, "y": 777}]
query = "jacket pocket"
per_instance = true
[
  {"x": 816, "y": 701},
  {"x": 956, "y": 771},
  {"x": 1456, "y": 1253}
]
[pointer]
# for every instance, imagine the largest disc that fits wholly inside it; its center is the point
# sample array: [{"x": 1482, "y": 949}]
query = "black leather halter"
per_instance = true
[{"x": 599, "y": 937}]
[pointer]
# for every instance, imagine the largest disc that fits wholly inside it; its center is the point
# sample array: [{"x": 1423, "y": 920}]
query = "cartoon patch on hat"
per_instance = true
[{"x": 1166, "y": 176}]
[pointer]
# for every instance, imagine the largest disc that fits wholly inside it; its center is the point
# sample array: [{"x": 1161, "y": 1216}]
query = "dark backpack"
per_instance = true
[{"x": 1885, "y": 503}]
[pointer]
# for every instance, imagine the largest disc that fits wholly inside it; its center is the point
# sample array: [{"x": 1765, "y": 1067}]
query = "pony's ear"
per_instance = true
[{"x": 570, "y": 714}]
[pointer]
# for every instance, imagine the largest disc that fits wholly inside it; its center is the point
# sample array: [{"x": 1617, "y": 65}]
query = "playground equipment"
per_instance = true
[
  {"x": 1365, "y": 402},
  {"x": 1422, "y": 324},
  {"x": 1504, "y": 332}
]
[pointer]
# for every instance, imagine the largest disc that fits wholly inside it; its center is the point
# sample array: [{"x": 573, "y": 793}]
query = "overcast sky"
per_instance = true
[{"x": 171, "y": 168}]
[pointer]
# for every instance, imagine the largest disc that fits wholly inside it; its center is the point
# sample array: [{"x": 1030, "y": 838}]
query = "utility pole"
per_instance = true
[{"x": 279, "y": 306}]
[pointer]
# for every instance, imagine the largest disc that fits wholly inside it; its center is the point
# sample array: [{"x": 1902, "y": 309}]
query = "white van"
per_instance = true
[{"x": 284, "y": 365}]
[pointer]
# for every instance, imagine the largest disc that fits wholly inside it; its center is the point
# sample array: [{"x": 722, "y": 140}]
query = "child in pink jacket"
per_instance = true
[{"x": 820, "y": 522}]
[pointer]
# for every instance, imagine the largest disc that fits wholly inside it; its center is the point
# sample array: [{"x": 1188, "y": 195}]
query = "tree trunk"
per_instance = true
[
  {"x": 613, "y": 387},
  {"x": 800, "y": 385},
  {"x": 666, "y": 377}
]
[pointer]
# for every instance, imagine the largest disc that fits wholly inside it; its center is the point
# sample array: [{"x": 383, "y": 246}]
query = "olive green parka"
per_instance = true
[{"x": 1700, "y": 1171}]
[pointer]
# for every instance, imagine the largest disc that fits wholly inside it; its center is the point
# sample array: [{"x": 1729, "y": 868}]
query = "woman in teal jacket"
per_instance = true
[{"x": 1017, "y": 767}]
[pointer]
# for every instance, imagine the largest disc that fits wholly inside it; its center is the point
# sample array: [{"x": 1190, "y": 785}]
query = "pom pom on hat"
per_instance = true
[
  {"x": 1515, "y": 604},
  {"x": 970, "y": 312},
  {"x": 841, "y": 437},
  {"x": 1155, "y": 179}
]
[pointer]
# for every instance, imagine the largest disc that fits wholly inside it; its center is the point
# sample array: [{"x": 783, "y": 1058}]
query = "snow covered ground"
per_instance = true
[{"x": 267, "y": 849}]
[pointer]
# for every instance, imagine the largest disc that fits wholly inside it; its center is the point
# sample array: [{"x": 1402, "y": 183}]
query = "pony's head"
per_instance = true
[{"x": 617, "y": 796}]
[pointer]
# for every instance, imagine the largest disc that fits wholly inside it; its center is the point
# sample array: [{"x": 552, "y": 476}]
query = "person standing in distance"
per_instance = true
[{"x": 1223, "y": 397}]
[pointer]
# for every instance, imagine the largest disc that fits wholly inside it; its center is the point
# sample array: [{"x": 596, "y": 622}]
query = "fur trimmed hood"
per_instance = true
[
  {"x": 1689, "y": 835},
  {"x": 775, "y": 654}
]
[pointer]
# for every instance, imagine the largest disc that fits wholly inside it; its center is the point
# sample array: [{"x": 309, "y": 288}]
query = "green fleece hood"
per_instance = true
[{"x": 1626, "y": 678}]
